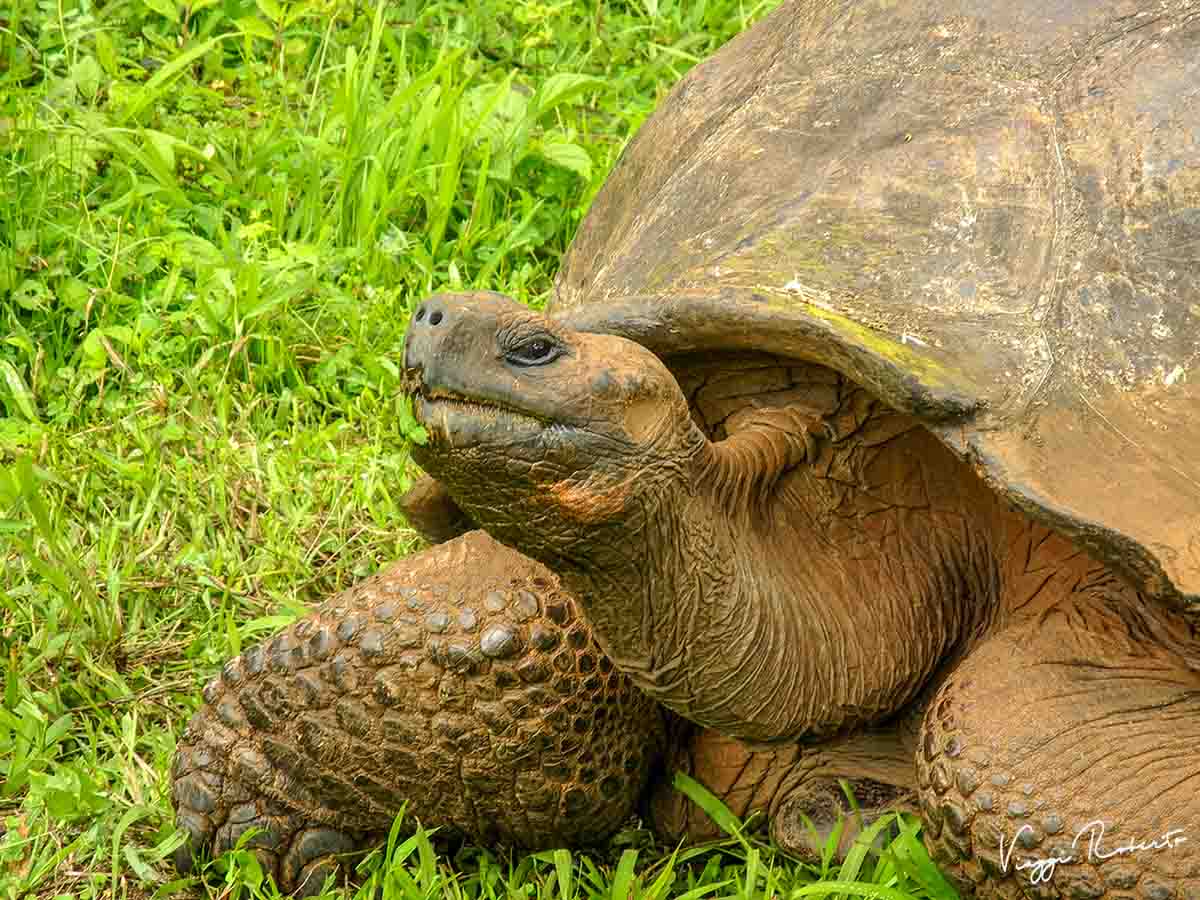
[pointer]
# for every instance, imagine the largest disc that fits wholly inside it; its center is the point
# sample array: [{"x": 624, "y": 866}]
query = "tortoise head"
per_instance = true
[{"x": 529, "y": 422}]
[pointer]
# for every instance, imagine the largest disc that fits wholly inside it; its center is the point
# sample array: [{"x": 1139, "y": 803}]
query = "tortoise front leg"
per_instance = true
[
  {"x": 1062, "y": 740},
  {"x": 461, "y": 680}
]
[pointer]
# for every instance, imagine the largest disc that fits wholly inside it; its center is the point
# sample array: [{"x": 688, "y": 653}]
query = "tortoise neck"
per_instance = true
[{"x": 790, "y": 589}]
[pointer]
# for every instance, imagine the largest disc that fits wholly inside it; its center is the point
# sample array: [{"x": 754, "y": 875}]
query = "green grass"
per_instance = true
[{"x": 215, "y": 218}]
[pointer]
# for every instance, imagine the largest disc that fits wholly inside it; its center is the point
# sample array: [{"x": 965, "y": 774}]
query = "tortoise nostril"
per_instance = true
[
  {"x": 435, "y": 318},
  {"x": 420, "y": 314}
]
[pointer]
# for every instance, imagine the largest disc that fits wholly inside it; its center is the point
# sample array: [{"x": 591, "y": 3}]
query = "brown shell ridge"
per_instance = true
[
  {"x": 726, "y": 95},
  {"x": 1136, "y": 562}
]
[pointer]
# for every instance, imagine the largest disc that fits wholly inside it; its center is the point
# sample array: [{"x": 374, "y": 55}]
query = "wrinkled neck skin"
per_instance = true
[
  {"x": 804, "y": 603},
  {"x": 780, "y": 586}
]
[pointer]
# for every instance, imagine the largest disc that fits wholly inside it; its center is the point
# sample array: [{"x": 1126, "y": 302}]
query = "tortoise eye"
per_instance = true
[{"x": 536, "y": 351}]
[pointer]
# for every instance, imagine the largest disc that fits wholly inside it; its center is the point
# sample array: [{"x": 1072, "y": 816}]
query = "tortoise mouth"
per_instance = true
[{"x": 452, "y": 414}]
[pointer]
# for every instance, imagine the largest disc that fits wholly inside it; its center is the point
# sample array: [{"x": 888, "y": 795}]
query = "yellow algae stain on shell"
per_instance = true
[
  {"x": 906, "y": 358},
  {"x": 926, "y": 370}
]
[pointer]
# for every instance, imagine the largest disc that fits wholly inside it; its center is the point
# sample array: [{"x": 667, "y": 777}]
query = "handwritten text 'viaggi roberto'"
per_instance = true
[{"x": 1088, "y": 846}]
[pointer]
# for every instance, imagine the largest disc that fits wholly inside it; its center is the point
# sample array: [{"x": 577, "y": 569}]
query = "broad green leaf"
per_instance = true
[
  {"x": 162, "y": 146},
  {"x": 139, "y": 866},
  {"x": 253, "y": 230},
  {"x": 58, "y": 730},
  {"x": 87, "y": 76},
  {"x": 256, "y": 27},
  {"x": 271, "y": 10},
  {"x": 623, "y": 877},
  {"x": 562, "y": 868},
  {"x": 121, "y": 334},
  {"x": 19, "y": 391},
  {"x": 659, "y": 887},
  {"x": 95, "y": 357},
  {"x": 131, "y": 815},
  {"x": 569, "y": 156},
  {"x": 172, "y": 431},
  {"x": 561, "y": 87},
  {"x": 911, "y": 857},
  {"x": 168, "y": 9},
  {"x": 32, "y": 295},
  {"x": 158, "y": 83},
  {"x": 106, "y": 53}
]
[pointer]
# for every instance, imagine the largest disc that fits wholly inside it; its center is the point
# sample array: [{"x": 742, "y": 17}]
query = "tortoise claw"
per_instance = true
[
  {"x": 298, "y": 855},
  {"x": 216, "y": 813},
  {"x": 315, "y": 854}
]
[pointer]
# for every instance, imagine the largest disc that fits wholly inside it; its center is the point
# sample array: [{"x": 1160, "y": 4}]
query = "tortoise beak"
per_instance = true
[{"x": 446, "y": 335}]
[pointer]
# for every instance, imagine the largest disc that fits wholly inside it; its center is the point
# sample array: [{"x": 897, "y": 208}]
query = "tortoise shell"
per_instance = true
[{"x": 986, "y": 211}]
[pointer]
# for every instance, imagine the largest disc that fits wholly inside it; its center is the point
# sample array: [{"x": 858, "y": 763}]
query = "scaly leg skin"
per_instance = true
[
  {"x": 794, "y": 785},
  {"x": 1088, "y": 715},
  {"x": 462, "y": 680}
]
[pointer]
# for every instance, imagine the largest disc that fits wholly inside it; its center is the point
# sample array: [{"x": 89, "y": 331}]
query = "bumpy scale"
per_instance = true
[{"x": 461, "y": 681}]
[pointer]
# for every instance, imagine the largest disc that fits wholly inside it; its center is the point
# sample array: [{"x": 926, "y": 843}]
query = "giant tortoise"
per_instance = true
[{"x": 863, "y": 437}]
